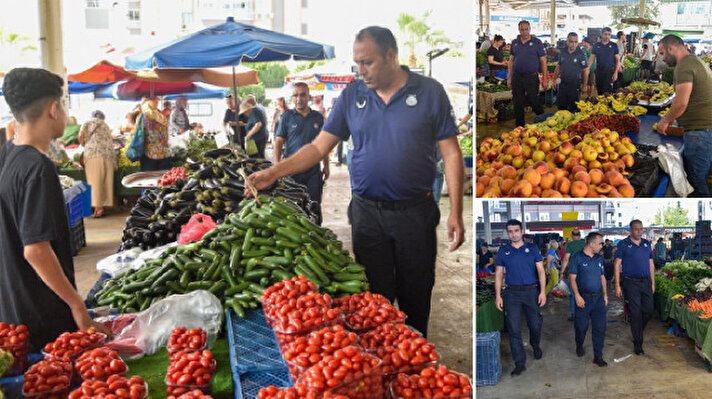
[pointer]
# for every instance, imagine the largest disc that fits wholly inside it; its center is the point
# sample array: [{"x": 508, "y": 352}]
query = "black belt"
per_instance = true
[
  {"x": 522, "y": 287},
  {"x": 591, "y": 293},
  {"x": 397, "y": 205},
  {"x": 526, "y": 73},
  {"x": 637, "y": 279}
]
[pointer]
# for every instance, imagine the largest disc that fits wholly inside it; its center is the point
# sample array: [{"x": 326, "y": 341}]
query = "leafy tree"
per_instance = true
[
  {"x": 270, "y": 74},
  {"x": 257, "y": 90},
  {"x": 303, "y": 66},
  {"x": 652, "y": 11},
  {"x": 416, "y": 31},
  {"x": 14, "y": 44},
  {"x": 674, "y": 217}
]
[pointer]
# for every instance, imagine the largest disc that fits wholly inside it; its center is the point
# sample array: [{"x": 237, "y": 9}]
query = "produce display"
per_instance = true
[
  {"x": 169, "y": 178},
  {"x": 641, "y": 91},
  {"x": 194, "y": 394},
  {"x": 681, "y": 277},
  {"x": 302, "y": 303},
  {"x": 68, "y": 346},
  {"x": 616, "y": 123},
  {"x": 305, "y": 352},
  {"x": 431, "y": 382},
  {"x": 407, "y": 355},
  {"x": 493, "y": 87},
  {"x": 484, "y": 291},
  {"x": 531, "y": 163},
  {"x": 236, "y": 261},
  {"x": 214, "y": 187},
  {"x": 14, "y": 344},
  {"x": 99, "y": 364},
  {"x": 189, "y": 371},
  {"x": 197, "y": 146},
  {"x": 466, "y": 144},
  {"x": 182, "y": 339},
  {"x": 388, "y": 334},
  {"x": 121, "y": 159},
  {"x": 349, "y": 371},
  {"x": 353, "y": 303},
  {"x": 49, "y": 378},
  {"x": 114, "y": 387},
  {"x": 373, "y": 315},
  {"x": 630, "y": 62}
]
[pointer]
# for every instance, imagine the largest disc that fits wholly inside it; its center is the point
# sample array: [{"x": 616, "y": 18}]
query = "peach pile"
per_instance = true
[{"x": 531, "y": 163}]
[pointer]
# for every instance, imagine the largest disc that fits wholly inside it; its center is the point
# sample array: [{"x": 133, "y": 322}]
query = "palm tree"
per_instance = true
[{"x": 417, "y": 31}]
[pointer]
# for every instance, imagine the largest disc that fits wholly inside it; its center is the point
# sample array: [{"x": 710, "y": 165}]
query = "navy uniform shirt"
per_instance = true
[
  {"x": 394, "y": 144},
  {"x": 526, "y": 55},
  {"x": 571, "y": 65},
  {"x": 519, "y": 263},
  {"x": 635, "y": 258},
  {"x": 298, "y": 131},
  {"x": 588, "y": 271},
  {"x": 605, "y": 54}
]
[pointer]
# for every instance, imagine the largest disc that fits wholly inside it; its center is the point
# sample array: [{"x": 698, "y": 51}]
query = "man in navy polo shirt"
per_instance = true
[
  {"x": 524, "y": 292},
  {"x": 608, "y": 62},
  {"x": 528, "y": 58},
  {"x": 634, "y": 262},
  {"x": 395, "y": 118},
  {"x": 588, "y": 284},
  {"x": 299, "y": 127},
  {"x": 573, "y": 68}
]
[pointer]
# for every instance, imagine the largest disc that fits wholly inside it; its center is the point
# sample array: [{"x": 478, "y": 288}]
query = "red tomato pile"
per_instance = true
[
  {"x": 169, "y": 178},
  {"x": 14, "y": 340},
  {"x": 194, "y": 394},
  {"x": 281, "y": 310},
  {"x": 299, "y": 323},
  {"x": 99, "y": 364},
  {"x": 372, "y": 315},
  {"x": 183, "y": 339},
  {"x": 352, "y": 303},
  {"x": 70, "y": 345},
  {"x": 48, "y": 377},
  {"x": 286, "y": 290},
  {"x": 305, "y": 352},
  {"x": 189, "y": 371},
  {"x": 431, "y": 383},
  {"x": 349, "y": 371},
  {"x": 115, "y": 386},
  {"x": 273, "y": 392},
  {"x": 388, "y": 334},
  {"x": 617, "y": 123},
  {"x": 407, "y": 355}
]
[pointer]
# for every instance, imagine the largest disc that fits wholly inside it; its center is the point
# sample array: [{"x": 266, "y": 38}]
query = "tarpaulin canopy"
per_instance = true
[
  {"x": 79, "y": 87},
  {"x": 106, "y": 71},
  {"x": 228, "y": 44},
  {"x": 134, "y": 90}
]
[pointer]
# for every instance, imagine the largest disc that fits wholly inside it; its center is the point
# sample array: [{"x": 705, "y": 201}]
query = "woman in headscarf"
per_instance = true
[
  {"x": 157, "y": 153},
  {"x": 99, "y": 162}
]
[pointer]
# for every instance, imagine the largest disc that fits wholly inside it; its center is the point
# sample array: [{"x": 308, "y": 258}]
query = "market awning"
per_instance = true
[
  {"x": 79, "y": 87},
  {"x": 134, "y": 90}
]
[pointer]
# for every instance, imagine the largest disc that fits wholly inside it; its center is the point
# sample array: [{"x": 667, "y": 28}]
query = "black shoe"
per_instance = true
[
  {"x": 600, "y": 362},
  {"x": 571, "y": 318},
  {"x": 518, "y": 370},
  {"x": 537, "y": 353},
  {"x": 639, "y": 350},
  {"x": 579, "y": 351}
]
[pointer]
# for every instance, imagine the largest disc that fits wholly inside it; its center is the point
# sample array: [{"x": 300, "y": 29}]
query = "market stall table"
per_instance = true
[
  {"x": 486, "y": 100},
  {"x": 698, "y": 329}
]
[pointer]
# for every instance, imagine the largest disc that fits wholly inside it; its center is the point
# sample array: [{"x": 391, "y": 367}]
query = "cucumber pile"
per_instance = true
[
  {"x": 214, "y": 187},
  {"x": 251, "y": 250}
]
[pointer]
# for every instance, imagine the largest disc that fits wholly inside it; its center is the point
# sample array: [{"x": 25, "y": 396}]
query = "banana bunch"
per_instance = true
[
  {"x": 618, "y": 105},
  {"x": 663, "y": 112},
  {"x": 638, "y": 110},
  {"x": 655, "y": 126}
]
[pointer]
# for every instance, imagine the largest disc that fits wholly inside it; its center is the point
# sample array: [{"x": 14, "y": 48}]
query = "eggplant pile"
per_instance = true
[{"x": 214, "y": 187}]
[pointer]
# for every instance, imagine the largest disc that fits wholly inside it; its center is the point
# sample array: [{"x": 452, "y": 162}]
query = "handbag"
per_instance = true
[
  {"x": 251, "y": 147},
  {"x": 135, "y": 150}
]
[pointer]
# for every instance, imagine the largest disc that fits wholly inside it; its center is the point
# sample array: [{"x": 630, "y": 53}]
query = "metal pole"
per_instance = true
[
  {"x": 234, "y": 98},
  {"x": 509, "y": 210},
  {"x": 553, "y": 23},
  {"x": 487, "y": 16},
  {"x": 600, "y": 214},
  {"x": 482, "y": 24},
  {"x": 488, "y": 223},
  {"x": 524, "y": 223}
]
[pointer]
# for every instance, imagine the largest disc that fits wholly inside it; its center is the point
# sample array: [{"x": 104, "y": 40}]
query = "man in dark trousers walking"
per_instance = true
[{"x": 528, "y": 58}]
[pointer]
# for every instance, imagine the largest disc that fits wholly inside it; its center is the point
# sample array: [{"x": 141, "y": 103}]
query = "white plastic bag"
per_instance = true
[
  {"x": 151, "y": 329},
  {"x": 671, "y": 162},
  {"x": 120, "y": 263}
]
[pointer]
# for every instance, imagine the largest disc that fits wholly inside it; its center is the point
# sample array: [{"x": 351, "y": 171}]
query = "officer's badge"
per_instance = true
[
  {"x": 526, "y": 250},
  {"x": 411, "y": 100},
  {"x": 361, "y": 103},
  {"x": 575, "y": 60},
  {"x": 531, "y": 44},
  {"x": 316, "y": 126},
  {"x": 506, "y": 253}
]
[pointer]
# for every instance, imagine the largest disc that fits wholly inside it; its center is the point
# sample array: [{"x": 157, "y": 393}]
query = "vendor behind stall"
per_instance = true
[
  {"x": 37, "y": 285},
  {"x": 692, "y": 108}
]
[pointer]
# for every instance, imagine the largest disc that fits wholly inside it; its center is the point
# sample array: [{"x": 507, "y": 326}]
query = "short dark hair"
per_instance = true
[
  {"x": 576, "y": 232},
  {"x": 592, "y": 236},
  {"x": 632, "y": 222},
  {"x": 671, "y": 40},
  {"x": 98, "y": 115},
  {"x": 572, "y": 34},
  {"x": 524, "y": 21},
  {"x": 587, "y": 40},
  {"x": 660, "y": 239},
  {"x": 606, "y": 29},
  {"x": 382, "y": 36},
  {"x": 513, "y": 222},
  {"x": 620, "y": 33},
  {"x": 28, "y": 91},
  {"x": 498, "y": 38}
]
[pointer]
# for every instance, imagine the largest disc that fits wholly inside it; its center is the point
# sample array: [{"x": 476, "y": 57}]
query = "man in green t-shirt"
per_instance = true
[
  {"x": 577, "y": 244},
  {"x": 692, "y": 107},
  {"x": 587, "y": 46}
]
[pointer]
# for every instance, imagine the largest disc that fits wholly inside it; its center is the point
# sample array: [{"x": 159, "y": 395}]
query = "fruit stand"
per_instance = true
[{"x": 487, "y": 316}]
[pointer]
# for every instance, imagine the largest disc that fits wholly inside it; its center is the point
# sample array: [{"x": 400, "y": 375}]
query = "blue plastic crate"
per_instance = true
[
  {"x": 86, "y": 199},
  {"x": 253, "y": 345},
  {"x": 13, "y": 385},
  {"x": 502, "y": 74},
  {"x": 468, "y": 162},
  {"x": 249, "y": 384},
  {"x": 74, "y": 210},
  {"x": 488, "y": 368},
  {"x": 77, "y": 237}
]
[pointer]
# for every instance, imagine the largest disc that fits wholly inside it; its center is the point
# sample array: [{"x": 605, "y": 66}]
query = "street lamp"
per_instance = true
[{"x": 433, "y": 54}]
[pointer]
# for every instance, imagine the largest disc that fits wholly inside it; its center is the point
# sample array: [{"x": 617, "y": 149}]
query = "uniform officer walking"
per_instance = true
[
  {"x": 528, "y": 57},
  {"x": 395, "y": 118},
  {"x": 299, "y": 127},
  {"x": 608, "y": 63},
  {"x": 524, "y": 292},
  {"x": 573, "y": 68},
  {"x": 576, "y": 245},
  {"x": 588, "y": 284},
  {"x": 634, "y": 262}
]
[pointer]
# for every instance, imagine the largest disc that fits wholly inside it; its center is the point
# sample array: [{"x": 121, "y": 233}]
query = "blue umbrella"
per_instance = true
[
  {"x": 79, "y": 88},
  {"x": 228, "y": 44},
  {"x": 135, "y": 90}
]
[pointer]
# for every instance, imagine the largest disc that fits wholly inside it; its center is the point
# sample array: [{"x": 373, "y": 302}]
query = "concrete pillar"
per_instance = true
[
  {"x": 641, "y": 14},
  {"x": 482, "y": 24},
  {"x": 487, "y": 221},
  {"x": 51, "y": 35},
  {"x": 524, "y": 223},
  {"x": 509, "y": 210},
  {"x": 553, "y": 22},
  {"x": 487, "y": 17}
]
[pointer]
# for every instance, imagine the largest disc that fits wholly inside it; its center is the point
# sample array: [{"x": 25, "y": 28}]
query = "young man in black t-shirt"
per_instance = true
[{"x": 37, "y": 285}]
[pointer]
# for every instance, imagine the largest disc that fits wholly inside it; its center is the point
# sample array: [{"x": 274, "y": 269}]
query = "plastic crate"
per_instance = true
[
  {"x": 253, "y": 345},
  {"x": 86, "y": 200},
  {"x": 75, "y": 210},
  {"x": 502, "y": 74},
  {"x": 13, "y": 385},
  {"x": 489, "y": 365},
  {"x": 247, "y": 385},
  {"x": 468, "y": 162},
  {"x": 77, "y": 238}
]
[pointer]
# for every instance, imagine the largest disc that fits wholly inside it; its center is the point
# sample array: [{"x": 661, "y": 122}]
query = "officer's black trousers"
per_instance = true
[
  {"x": 569, "y": 93},
  {"x": 604, "y": 80},
  {"x": 398, "y": 248},
  {"x": 638, "y": 295},
  {"x": 525, "y": 86}
]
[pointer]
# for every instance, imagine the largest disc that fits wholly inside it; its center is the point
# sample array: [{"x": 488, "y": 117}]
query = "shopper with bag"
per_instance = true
[
  {"x": 588, "y": 286},
  {"x": 99, "y": 162},
  {"x": 150, "y": 139},
  {"x": 523, "y": 293},
  {"x": 256, "y": 138}
]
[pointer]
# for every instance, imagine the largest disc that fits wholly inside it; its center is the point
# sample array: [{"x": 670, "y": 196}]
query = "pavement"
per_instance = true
[{"x": 451, "y": 321}]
